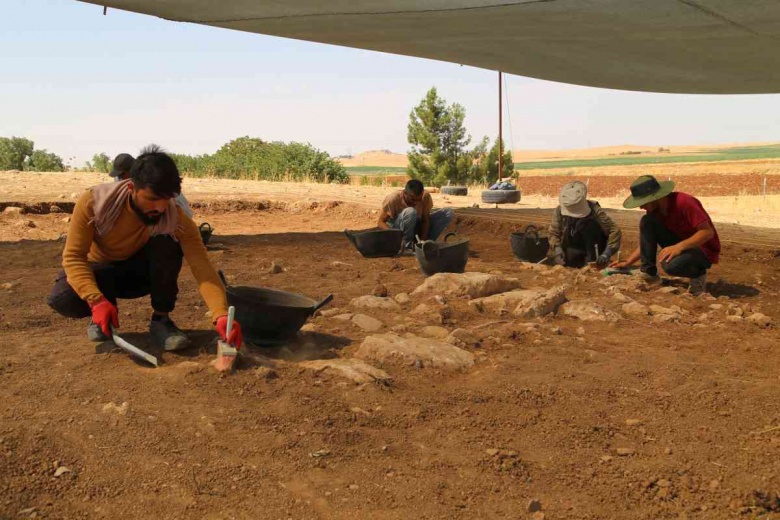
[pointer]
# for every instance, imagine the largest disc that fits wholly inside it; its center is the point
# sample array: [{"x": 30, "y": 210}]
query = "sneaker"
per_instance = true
[
  {"x": 698, "y": 285},
  {"x": 649, "y": 278},
  {"x": 166, "y": 335},
  {"x": 95, "y": 333}
]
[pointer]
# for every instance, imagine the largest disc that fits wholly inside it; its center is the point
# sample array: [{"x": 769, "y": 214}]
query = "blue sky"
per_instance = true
[{"x": 78, "y": 82}]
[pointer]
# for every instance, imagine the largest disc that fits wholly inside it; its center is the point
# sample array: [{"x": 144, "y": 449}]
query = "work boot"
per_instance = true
[
  {"x": 95, "y": 333},
  {"x": 166, "y": 335},
  {"x": 698, "y": 285}
]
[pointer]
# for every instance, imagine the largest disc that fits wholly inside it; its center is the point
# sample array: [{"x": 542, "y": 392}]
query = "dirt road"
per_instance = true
[{"x": 633, "y": 418}]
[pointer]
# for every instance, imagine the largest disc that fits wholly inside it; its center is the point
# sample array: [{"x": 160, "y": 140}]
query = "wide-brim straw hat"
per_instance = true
[
  {"x": 647, "y": 189},
  {"x": 574, "y": 200}
]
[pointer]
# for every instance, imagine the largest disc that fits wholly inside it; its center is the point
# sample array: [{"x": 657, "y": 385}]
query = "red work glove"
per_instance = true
[
  {"x": 236, "y": 338},
  {"x": 104, "y": 314}
]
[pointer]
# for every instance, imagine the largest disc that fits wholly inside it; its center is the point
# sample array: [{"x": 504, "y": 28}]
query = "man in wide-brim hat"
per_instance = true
[
  {"x": 678, "y": 224},
  {"x": 581, "y": 232}
]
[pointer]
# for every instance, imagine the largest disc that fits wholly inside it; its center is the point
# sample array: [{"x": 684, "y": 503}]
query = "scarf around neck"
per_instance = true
[{"x": 110, "y": 200}]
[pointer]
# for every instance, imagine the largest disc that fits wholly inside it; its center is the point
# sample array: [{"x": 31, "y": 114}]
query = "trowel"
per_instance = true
[
  {"x": 226, "y": 353},
  {"x": 137, "y": 352}
]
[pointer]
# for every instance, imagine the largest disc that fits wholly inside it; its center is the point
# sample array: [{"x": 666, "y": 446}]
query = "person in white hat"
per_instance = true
[{"x": 581, "y": 232}]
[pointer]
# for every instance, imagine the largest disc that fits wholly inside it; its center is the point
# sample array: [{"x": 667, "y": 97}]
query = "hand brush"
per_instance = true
[{"x": 226, "y": 353}]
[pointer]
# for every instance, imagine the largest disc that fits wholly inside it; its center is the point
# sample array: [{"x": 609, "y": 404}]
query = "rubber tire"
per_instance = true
[
  {"x": 500, "y": 196},
  {"x": 460, "y": 191}
]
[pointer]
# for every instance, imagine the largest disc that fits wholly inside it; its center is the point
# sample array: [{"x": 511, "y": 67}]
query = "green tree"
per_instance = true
[
  {"x": 439, "y": 141},
  {"x": 44, "y": 161},
  {"x": 252, "y": 158},
  {"x": 101, "y": 163},
  {"x": 485, "y": 165},
  {"x": 14, "y": 151}
]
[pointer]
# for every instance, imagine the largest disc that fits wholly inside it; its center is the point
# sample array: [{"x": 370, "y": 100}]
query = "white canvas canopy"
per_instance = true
[{"x": 685, "y": 46}]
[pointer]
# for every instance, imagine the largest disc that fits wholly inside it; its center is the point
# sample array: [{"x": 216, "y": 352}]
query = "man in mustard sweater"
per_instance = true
[{"x": 126, "y": 240}]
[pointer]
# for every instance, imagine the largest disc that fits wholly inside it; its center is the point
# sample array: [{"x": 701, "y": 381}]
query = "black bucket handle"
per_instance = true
[
  {"x": 222, "y": 277},
  {"x": 450, "y": 234},
  {"x": 209, "y": 230},
  {"x": 323, "y": 303},
  {"x": 529, "y": 230},
  {"x": 430, "y": 249}
]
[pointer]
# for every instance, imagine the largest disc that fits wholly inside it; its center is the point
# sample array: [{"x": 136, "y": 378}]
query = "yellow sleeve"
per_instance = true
[
  {"x": 81, "y": 233},
  {"x": 209, "y": 284}
]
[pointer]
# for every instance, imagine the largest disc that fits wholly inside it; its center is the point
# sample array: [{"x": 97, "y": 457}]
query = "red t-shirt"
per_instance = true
[{"x": 685, "y": 213}]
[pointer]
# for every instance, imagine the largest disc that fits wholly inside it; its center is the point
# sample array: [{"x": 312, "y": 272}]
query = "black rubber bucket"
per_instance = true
[
  {"x": 375, "y": 243},
  {"x": 442, "y": 257},
  {"x": 528, "y": 246},
  {"x": 269, "y": 316}
]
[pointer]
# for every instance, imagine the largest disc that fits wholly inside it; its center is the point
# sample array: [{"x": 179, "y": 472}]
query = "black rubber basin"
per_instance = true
[
  {"x": 528, "y": 246},
  {"x": 442, "y": 257},
  {"x": 269, "y": 316},
  {"x": 375, "y": 243}
]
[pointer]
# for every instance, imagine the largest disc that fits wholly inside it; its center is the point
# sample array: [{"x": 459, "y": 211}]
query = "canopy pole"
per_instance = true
[{"x": 500, "y": 128}]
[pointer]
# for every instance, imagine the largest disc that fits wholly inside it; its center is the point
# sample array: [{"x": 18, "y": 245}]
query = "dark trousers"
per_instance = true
[
  {"x": 580, "y": 247},
  {"x": 691, "y": 263},
  {"x": 153, "y": 270}
]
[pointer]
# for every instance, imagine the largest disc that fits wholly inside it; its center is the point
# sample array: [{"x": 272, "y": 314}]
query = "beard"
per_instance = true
[{"x": 147, "y": 219}]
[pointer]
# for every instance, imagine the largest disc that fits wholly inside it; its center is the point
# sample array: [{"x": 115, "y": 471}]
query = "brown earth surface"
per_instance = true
[{"x": 596, "y": 420}]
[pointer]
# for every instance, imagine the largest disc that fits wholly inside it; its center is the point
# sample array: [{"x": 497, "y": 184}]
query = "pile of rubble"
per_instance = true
[{"x": 421, "y": 329}]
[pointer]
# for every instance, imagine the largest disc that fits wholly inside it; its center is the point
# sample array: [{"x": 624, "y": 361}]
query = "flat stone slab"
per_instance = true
[
  {"x": 504, "y": 302},
  {"x": 375, "y": 302},
  {"x": 761, "y": 320},
  {"x": 355, "y": 370},
  {"x": 402, "y": 298},
  {"x": 587, "y": 311},
  {"x": 525, "y": 303},
  {"x": 541, "y": 304},
  {"x": 463, "y": 338},
  {"x": 471, "y": 285},
  {"x": 626, "y": 283},
  {"x": 367, "y": 323},
  {"x": 435, "y": 332},
  {"x": 635, "y": 309},
  {"x": 414, "y": 350}
]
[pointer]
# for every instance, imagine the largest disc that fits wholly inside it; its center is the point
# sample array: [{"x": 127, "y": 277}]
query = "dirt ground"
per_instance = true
[
  {"x": 595, "y": 420},
  {"x": 734, "y": 200}
]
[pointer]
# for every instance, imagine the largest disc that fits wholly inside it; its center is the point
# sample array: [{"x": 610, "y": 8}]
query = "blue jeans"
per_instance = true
[{"x": 407, "y": 222}]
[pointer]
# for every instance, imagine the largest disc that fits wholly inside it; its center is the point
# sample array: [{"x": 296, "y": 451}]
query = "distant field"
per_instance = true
[
  {"x": 744, "y": 153},
  {"x": 375, "y": 170}
]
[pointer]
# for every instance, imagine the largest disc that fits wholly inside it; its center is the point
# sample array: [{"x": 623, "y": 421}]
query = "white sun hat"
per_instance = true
[{"x": 574, "y": 200}]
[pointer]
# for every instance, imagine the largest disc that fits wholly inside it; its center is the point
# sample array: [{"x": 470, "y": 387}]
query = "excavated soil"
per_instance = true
[{"x": 595, "y": 420}]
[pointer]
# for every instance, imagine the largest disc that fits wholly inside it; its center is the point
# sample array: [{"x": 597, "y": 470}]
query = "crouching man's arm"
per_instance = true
[{"x": 209, "y": 284}]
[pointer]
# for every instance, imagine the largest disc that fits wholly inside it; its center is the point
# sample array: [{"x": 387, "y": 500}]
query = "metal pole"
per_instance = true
[{"x": 500, "y": 133}]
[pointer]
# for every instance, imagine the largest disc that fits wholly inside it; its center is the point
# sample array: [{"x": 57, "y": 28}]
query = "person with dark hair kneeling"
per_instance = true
[
  {"x": 411, "y": 211},
  {"x": 678, "y": 224},
  {"x": 126, "y": 240}
]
